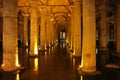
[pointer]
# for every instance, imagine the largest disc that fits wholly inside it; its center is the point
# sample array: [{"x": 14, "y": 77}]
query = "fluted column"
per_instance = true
[
  {"x": 118, "y": 29},
  {"x": 42, "y": 30},
  {"x": 88, "y": 63},
  {"x": 103, "y": 29},
  {"x": 77, "y": 28},
  {"x": 10, "y": 45},
  {"x": 25, "y": 30},
  {"x": 33, "y": 33}
]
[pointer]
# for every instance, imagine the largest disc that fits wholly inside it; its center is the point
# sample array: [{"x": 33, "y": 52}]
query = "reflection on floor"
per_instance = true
[{"x": 55, "y": 64}]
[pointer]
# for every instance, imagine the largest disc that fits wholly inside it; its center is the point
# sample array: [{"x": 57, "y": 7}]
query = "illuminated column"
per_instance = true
[
  {"x": 54, "y": 34},
  {"x": 42, "y": 30},
  {"x": 33, "y": 34},
  {"x": 48, "y": 33},
  {"x": 118, "y": 29},
  {"x": 103, "y": 29},
  {"x": 10, "y": 45},
  {"x": 25, "y": 30},
  {"x": 88, "y": 63},
  {"x": 77, "y": 28},
  {"x": 72, "y": 27},
  {"x": 68, "y": 32},
  {"x": 51, "y": 32}
]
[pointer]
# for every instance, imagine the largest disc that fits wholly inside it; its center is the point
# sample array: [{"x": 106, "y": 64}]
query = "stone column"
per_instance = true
[
  {"x": 48, "y": 33},
  {"x": 51, "y": 32},
  {"x": 77, "y": 28},
  {"x": 88, "y": 63},
  {"x": 72, "y": 27},
  {"x": 68, "y": 32},
  {"x": 42, "y": 30},
  {"x": 25, "y": 30},
  {"x": 103, "y": 29},
  {"x": 33, "y": 33},
  {"x": 118, "y": 29},
  {"x": 10, "y": 44},
  {"x": 103, "y": 58},
  {"x": 54, "y": 35}
]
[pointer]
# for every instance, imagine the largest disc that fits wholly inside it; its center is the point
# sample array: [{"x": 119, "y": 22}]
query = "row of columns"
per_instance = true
[
  {"x": 88, "y": 48},
  {"x": 10, "y": 37}
]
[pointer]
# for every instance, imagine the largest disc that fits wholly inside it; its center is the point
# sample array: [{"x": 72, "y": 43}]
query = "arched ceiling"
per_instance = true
[
  {"x": 45, "y": 2},
  {"x": 56, "y": 7}
]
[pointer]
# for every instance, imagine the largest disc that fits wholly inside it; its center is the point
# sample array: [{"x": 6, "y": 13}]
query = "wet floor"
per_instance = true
[{"x": 55, "y": 64}]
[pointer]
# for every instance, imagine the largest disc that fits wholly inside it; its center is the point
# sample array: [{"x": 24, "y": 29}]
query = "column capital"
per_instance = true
[
  {"x": 43, "y": 9},
  {"x": 71, "y": 8},
  {"x": 25, "y": 14}
]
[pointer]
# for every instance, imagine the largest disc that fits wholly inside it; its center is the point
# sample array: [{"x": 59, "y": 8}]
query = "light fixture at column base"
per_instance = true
[
  {"x": 15, "y": 71},
  {"x": 80, "y": 72}
]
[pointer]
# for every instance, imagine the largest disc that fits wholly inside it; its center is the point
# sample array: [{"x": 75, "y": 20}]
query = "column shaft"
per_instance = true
[
  {"x": 25, "y": 31},
  {"x": 51, "y": 32},
  {"x": 118, "y": 29},
  {"x": 72, "y": 28},
  {"x": 89, "y": 37},
  {"x": 42, "y": 31},
  {"x": 33, "y": 33},
  {"x": 103, "y": 29},
  {"x": 77, "y": 28},
  {"x": 48, "y": 33},
  {"x": 10, "y": 45}
]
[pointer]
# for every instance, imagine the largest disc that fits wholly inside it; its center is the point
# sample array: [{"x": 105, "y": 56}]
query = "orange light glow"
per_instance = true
[
  {"x": 71, "y": 45},
  {"x": 2, "y": 65},
  {"x": 36, "y": 64},
  {"x": 17, "y": 77},
  {"x": 27, "y": 50},
  {"x": 45, "y": 56},
  {"x": 26, "y": 43},
  {"x": 17, "y": 62},
  {"x": 45, "y": 46},
  {"x": 81, "y": 65},
  {"x": 73, "y": 63},
  {"x": 35, "y": 49},
  {"x": 81, "y": 77},
  {"x": 74, "y": 53}
]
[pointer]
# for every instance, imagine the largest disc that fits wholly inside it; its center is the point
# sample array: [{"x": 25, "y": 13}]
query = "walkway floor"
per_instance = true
[{"x": 55, "y": 64}]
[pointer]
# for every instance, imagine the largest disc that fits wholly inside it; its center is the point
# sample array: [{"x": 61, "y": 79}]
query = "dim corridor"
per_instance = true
[{"x": 54, "y": 64}]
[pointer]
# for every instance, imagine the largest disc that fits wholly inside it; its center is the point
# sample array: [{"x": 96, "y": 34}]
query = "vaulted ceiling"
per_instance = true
[
  {"x": 60, "y": 8},
  {"x": 44, "y": 2}
]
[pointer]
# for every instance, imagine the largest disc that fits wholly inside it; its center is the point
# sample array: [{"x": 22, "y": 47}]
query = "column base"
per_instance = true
[
  {"x": 33, "y": 55},
  {"x": 70, "y": 50},
  {"x": 25, "y": 46},
  {"x": 103, "y": 49},
  {"x": 48, "y": 46},
  {"x": 97, "y": 72},
  {"x": 42, "y": 50},
  {"x": 77, "y": 54},
  {"x": 102, "y": 58},
  {"x": 15, "y": 71}
]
